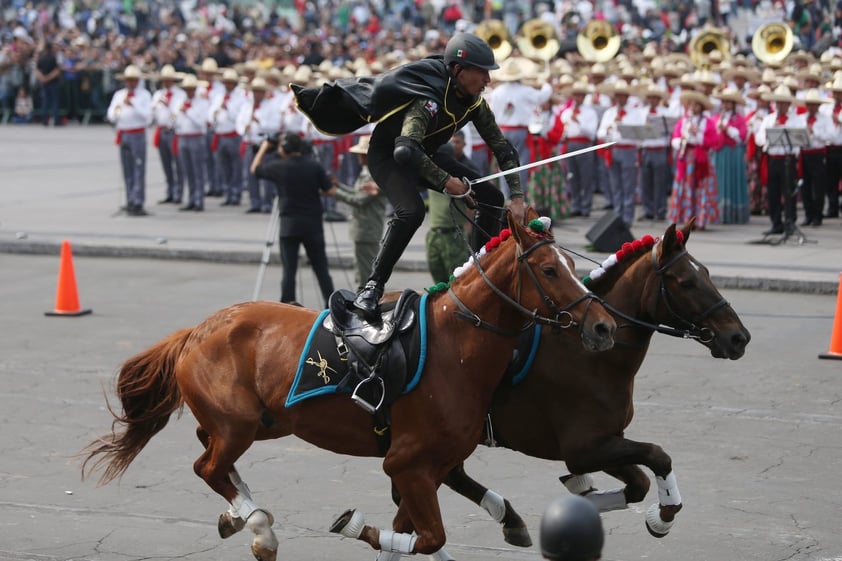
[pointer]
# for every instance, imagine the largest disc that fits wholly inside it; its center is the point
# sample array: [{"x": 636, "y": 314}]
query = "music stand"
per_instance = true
[
  {"x": 639, "y": 132},
  {"x": 664, "y": 123},
  {"x": 788, "y": 138}
]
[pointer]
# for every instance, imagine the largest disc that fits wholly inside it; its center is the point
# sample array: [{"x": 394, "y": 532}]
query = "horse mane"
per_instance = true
[
  {"x": 538, "y": 227},
  {"x": 614, "y": 266}
]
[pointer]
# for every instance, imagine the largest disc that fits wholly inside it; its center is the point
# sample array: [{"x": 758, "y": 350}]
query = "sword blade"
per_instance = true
[{"x": 541, "y": 162}]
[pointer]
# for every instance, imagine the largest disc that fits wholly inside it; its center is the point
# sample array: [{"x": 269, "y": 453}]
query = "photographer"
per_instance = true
[{"x": 299, "y": 181}]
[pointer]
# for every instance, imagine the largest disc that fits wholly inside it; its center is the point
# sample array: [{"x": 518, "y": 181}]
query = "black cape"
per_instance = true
[{"x": 343, "y": 106}]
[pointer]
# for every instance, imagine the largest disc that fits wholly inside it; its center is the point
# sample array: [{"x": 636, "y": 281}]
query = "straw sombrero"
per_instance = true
[
  {"x": 132, "y": 72},
  {"x": 813, "y": 96},
  {"x": 693, "y": 96},
  {"x": 730, "y": 94},
  {"x": 781, "y": 94}
]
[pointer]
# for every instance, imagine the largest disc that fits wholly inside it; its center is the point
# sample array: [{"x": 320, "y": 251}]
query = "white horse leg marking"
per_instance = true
[
  {"x": 258, "y": 520},
  {"x": 494, "y": 505}
]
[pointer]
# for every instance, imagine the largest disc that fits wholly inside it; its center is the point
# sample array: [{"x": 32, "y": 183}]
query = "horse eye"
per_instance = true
[
  {"x": 549, "y": 272},
  {"x": 687, "y": 283}
]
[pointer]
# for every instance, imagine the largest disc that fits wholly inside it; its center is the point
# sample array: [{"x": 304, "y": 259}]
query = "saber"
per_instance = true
[{"x": 541, "y": 162}]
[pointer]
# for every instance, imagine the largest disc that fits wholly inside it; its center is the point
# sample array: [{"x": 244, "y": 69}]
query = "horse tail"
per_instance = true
[{"x": 149, "y": 393}]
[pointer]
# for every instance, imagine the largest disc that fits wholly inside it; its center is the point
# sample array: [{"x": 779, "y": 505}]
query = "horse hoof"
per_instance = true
[
  {"x": 264, "y": 553},
  {"x": 517, "y": 536},
  {"x": 349, "y": 524},
  {"x": 229, "y": 525},
  {"x": 657, "y": 527}
]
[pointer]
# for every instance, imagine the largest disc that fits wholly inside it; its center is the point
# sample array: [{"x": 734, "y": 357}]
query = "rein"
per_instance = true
[{"x": 562, "y": 317}]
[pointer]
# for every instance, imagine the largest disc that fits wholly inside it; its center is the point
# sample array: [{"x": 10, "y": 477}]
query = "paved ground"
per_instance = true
[
  {"x": 756, "y": 443},
  {"x": 65, "y": 183}
]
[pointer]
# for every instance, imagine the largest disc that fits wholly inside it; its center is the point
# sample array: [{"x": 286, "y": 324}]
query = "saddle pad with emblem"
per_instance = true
[{"x": 321, "y": 370}]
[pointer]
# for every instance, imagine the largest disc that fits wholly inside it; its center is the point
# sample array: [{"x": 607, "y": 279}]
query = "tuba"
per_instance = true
[
  {"x": 705, "y": 42},
  {"x": 772, "y": 42},
  {"x": 536, "y": 39},
  {"x": 495, "y": 33},
  {"x": 598, "y": 41}
]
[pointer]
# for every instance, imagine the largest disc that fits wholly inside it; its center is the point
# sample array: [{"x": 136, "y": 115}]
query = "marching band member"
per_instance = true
[
  {"x": 575, "y": 127},
  {"x": 655, "y": 171},
  {"x": 513, "y": 104},
  {"x": 729, "y": 159},
  {"x": 756, "y": 160},
  {"x": 600, "y": 101},
  {"x": 694, "y": 187},
  {"x": 834, "y": 150},
  {"x": 622, "y": 169},
  {"x": 813, "y": 166},
  {"x": 130, "y": 110},
  {"x": 208, "y": 75},
  {"x": 225, "y": 145},
  {"x": 782, "y": 172},
  {"x": 189, "y": 144},
  {"x": 258, "y": 120},
  {"x": 164, "y": 103}
]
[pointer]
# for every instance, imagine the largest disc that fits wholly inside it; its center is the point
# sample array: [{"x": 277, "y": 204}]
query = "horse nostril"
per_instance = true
[
  {"x": 739, "y": 341},
  {"x": 604, "y": 330}
]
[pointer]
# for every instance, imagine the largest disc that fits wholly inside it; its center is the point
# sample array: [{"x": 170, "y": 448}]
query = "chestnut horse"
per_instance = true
[
  {"x": 235, "y": 369},
  {"x": 574, "y": 405}
]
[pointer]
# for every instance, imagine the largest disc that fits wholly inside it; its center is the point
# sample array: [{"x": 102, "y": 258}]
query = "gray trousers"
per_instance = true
[
  {"x": 133, "y": 161},
  {"x": 212, "y": 173},
  {"x": 171, "y": 165},
  {"x": 579, "y": 171},
  {"x": 261, "y": 192},
  {"x": 623, "y": 180},
  {"x": 229, "y": 165},
  {"x": 192, "y": 153},
  {"x": 655, "y": 182}
]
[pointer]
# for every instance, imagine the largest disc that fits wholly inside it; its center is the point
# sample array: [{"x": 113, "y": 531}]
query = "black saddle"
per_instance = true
[{"x": 377, "y": 362}]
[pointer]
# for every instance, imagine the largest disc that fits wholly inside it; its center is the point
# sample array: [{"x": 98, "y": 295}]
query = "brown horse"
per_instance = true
[
  {"x": 576, "y": 405},
  {"x": 235, "y": 369}
]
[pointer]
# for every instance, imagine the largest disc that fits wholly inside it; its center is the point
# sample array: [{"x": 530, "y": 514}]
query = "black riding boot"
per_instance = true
[{"x": 397, "y": 237}]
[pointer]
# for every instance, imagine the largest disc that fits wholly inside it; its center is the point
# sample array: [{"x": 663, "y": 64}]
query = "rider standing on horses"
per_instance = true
[{"x": 418, "y": 107}]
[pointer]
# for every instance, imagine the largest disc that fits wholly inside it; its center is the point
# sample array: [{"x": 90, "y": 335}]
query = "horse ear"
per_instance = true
[
  {"x": 688, "y": 227},
  {"x": 518, "y": 230},
  {"x": 669, "y": 242},
  {"x": 531, "y": 214}
]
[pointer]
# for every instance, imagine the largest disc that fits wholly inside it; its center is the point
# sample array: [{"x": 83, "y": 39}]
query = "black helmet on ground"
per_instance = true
[
  {"x": 571, "y": 530},
  {"x": 469, "y": 50}
]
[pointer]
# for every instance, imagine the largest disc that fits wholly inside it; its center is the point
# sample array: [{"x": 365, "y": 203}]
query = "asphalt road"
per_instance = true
[{"x": 756, "y": 443}]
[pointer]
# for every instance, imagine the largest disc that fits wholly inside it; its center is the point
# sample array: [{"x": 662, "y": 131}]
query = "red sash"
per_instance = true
[{"x": 156, "y": 138}]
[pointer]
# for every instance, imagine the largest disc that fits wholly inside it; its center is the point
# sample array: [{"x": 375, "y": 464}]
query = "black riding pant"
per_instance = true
[{"x": 403, "y": 188}]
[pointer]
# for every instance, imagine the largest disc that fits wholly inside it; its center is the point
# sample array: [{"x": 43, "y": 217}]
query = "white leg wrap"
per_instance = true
[
  {"x": 388, "y": 556},
  {"x": 653, "y": 520},
  {"x": 242, "y": 507},
  {"x": 354, "y": 527},
  {"x": 441, "y": 555},
  {"x": 668, "y": 494},
  {"x": 613, "y": 499},
  {"x": 396, "y": 541},
  {"x": 579, "y": 484},
  {"x": 494, "y": 505}
]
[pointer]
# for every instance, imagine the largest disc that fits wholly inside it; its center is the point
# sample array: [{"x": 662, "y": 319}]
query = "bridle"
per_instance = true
[
  {"x": 690, "y": 328},
  {"x": 561, "y": 317}
]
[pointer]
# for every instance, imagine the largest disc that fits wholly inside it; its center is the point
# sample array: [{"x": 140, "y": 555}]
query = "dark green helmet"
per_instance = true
[
  {"x": 571, "y": 530},
  {"x": 469, "y": 50}
]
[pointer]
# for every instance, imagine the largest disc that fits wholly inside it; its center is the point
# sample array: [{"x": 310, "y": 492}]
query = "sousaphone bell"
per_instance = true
[
  {"x": 495, "y": 33},
  {"x": 598, "y": 41},
  {"x": 536, "y": 39},
  {"x": 772, "y": 42}
]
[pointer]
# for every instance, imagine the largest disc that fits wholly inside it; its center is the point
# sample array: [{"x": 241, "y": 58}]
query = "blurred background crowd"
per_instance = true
[{"x": 92, "y": 40}]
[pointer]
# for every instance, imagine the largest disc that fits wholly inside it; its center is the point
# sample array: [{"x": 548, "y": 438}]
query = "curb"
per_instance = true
[{"x": 723, "y": 282}]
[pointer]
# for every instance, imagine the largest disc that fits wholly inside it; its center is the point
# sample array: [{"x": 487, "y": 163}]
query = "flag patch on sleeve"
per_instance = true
[{"x": 432, "y": 107}]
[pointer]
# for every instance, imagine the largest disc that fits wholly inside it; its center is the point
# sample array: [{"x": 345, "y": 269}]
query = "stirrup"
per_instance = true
[{"x": 372, "y": 409}]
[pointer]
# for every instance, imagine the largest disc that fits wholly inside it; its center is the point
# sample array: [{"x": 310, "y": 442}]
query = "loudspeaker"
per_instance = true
[{"x": 609, "y": 233}]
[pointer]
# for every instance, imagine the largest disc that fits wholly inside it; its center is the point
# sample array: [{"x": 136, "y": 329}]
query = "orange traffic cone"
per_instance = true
[
  {"x": 67, "y": 298},
  {"x": 836, "y": 335}
]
